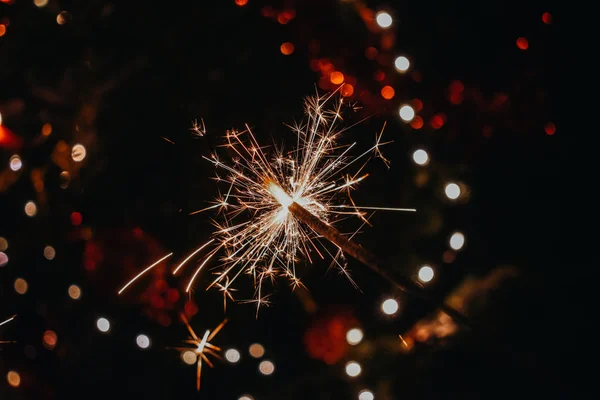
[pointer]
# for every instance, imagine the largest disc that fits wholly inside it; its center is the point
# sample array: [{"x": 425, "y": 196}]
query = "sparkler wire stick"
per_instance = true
[{"x": 368, "y": 259}]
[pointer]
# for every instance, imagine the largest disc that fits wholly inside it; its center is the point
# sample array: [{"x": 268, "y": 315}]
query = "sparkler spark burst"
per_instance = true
[
  {"x": 258, "y": 231},
  {"x": 202, "y": 347}
]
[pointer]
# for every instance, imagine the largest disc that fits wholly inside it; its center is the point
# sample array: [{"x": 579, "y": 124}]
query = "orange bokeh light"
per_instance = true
[
  {"x": 547, "y": 18},
  {"x": 347, "y": 90},
  {"x": 47, "y": 129},
  {"x": 50, "y": 339},
  {"x": 417, "y": 122},
  {"x": 336, "y": 77},
  {"x": 286, "y": 16},
  {"x": 2, "y": 30},
  {"x": 287, "y": 48},
  {"x": 522, "y": 43},
  {"x": 387, "y": 92},
  {"x": 241, "y": 2},
  {"x": 550, "y": 129}
]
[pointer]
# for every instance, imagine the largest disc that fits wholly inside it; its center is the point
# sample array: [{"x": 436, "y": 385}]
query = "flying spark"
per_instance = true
[
  {"x": 202, "y": 347},
  {"x": 279, "y": 207},
  {"x": 198, "y": 129},
  {"x": 6, "y": 322}
]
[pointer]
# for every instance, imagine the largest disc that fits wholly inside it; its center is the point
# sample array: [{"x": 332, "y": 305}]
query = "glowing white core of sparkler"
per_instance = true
[{"x": 280, "y": 195}]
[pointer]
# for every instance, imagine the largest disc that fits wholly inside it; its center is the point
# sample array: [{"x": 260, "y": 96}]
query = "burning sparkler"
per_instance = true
[
  {"x": 202, "y": 348},
  {"x": 280, "y": 207}
]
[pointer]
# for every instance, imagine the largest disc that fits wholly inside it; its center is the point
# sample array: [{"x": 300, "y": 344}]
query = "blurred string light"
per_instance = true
[
  {"x": 142, "y": 341},
  {"x": 522, "y": 43},
  {"x": 457, "y": 241},
  {"x": 15, "y": 163},
  {"x": 246, "y": 397},
  {"x": 13, "y": 378},
  {"x": 103, "y": 325},
  {"x": 354, "y": 336},
  {"x": 49, "y": 253},
  {"x": 40, "y": 3},
  {"x": 384, "y": 19},
  {"x": 3, "y": 244},
  {"x": 366, "y": 395},
  {"x": 50, "y": 339},
  {"x": 62, "y": 17},
  {"x": 78, "y": 152},
  {"x": 21, "y": 286},
  {"x": 256, "y": 350},
  {"x": 232, "y": 355},
  {"x": 421, "y": 157},
  {"x": 353, "y": 369},
  {"x": 2, "y": 30},
  {"x": 30, "y": 209},
  {"x": 407, "y": 113},
  {"x": 387, "y": 92},
  {"x": 266, "y": 367},
  {"x": 402, "y": 64},
  {"x": 452, "y": 191},
  {"x": 74, "y": 292},
  {"x": 189, "y": 357},
  {"x": 241, "y": 3},
  {"x": 47, "y": 129},
  {"x": 550, "y": 129},
  {"x": 426, "y": 273},
  {"x": 390, "y": 306},
  {"x": 287, "y": 48},
  {"x": 3, "y": 259}
]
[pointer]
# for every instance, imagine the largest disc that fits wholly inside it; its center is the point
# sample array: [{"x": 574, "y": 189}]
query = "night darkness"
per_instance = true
[{"x": 126, "y": 81}]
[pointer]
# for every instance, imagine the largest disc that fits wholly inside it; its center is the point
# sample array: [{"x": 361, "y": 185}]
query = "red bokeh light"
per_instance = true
[
  {"x": 437, "y": 121},
  {"x": 347, "y": 90},
  {"x": 547, "y": 18},
  {"x": 550, "y": 129},
  {"x": 417, "y": 105},
  {"x": 76, "y": 218},
  {"x": 417, "y": 122},
  {"x": 287, "y": 48},
  {"x": 371, "y": 53},
  {"x": 241, "y": 2},
  {"x": 522, "y": 43}
]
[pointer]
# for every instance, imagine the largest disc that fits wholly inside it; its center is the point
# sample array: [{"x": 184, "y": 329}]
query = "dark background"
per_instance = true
[{"x": 122, "y": 77}]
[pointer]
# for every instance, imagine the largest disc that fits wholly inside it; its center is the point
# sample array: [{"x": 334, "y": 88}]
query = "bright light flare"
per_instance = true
[
  {"x": 143, "y": 341},
  {"x": 232, "y": 355},
  {"x": 426, "y": 274},
  {"x": 457, "y": 241},
  {"x": 353, "y": 369},
  {"x": 103, "y": 325},
  {"x": 366, "y": 395},
  {"x": 354, "y": 336},
  {"x": 407, "y": 113},
  {"x": 390, "y": 306},
  {"x": 402, "y": 64},
  {"x": 452, "y": 191},
  {"x": 384, "y": 19}
]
